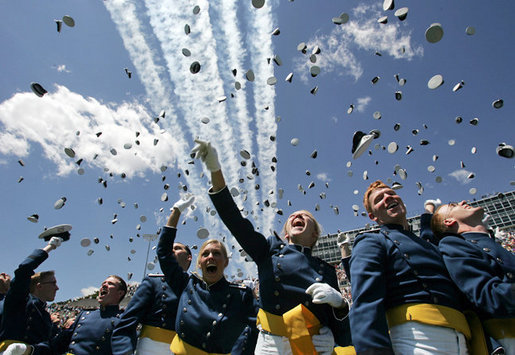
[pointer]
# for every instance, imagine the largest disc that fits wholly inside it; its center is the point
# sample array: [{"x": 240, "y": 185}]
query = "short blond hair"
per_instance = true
[
  {"x": 212, "y": 241},
  {"x": 437, "y": 223},
  {"x": 39, "y": 277},
  {"x": 378, "y": 184},
  {"x": 318, "y": 227}
]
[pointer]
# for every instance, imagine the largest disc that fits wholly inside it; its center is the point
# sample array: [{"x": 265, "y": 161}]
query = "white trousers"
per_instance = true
[
  {"x": 269, "y": 344},
  {"x": 508, "y": 344},
  {"x": 423, "y": 339},
  {"x": 147, "y": 346}
]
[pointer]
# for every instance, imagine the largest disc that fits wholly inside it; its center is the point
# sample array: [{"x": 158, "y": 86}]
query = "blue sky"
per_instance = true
[{"x": 82, "y": 67}]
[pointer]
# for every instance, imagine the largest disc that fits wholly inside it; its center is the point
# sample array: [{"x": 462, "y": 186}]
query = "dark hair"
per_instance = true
[{"x": 122, "y": 285}]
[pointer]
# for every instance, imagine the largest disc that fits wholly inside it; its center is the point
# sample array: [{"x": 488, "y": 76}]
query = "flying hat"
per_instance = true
[{"x": 61, "y": 231}]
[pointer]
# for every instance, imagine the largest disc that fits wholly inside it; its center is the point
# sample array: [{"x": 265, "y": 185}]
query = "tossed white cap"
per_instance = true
[
  {"x": 202, "y": 233},
  {"x": 388, "y": 5},
  {"x": 195, "y": 67},
  {"x": 498, "y": 103},
  {"x": 294, "y": 141},
  {"x": 250, "y": 75},
  {"x": 402, "y": 13},
  {"x": 470, "y": 30},
  {"x": 258, "y": 3},
  {"x": 68, "y": 20},
  {"x": 196, "y": 10},
  {"x": 69, "y": 152},
  {"x": 392, "y": 147},
  {"x": 435, "y": 82},
  {"x": 186, "y": 52},
  {"x": 434, "y": 33}
]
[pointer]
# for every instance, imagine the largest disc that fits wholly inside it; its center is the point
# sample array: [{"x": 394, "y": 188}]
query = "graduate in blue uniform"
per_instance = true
[
  {"x": 5, "y": 283},
  {"x": 26, "y": 323},
  {"x": 403, "y": 298},
  {"x": 213, "y": 313},
  {"x": 483, "y": 270},
  {"x": 91, "y": 331},
  {"x": 154, "y": 305},
  {"x": 295, "y": 287}
]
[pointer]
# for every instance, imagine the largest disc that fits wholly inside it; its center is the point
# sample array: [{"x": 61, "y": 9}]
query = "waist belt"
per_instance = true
[
  {"x": 500, "y": 328},
  {"x": 157, "y": 334},
  {"x": 5, "y": 343},
  {"x": 180, "y": 347},
  {"x": 431, "y": 314},
  {"x": 298, "y": 325}
]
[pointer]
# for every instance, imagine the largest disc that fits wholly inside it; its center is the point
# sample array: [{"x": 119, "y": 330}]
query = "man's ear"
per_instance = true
[
  {"x": 189, "y": 258},
  {"x": 287, "y": 237},
  {"x": 372, "y": 216},
  {"x": 449, "y": 222}
]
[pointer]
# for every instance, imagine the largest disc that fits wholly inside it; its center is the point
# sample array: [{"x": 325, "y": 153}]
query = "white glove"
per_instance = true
[
  {"x": 343, "y": 239},
  {"x": 55, "y": 241},
  {"x": 181, "y": 205},
  {"x": 205, "y": 152},
  {"x": 435, "y": 203},
  {"x": 16, "y": 349},
  {"x": 323, "y": 293},
  {"x": 323, "y": 342}
]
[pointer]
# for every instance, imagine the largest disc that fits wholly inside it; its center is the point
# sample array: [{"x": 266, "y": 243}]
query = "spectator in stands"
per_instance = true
[
  {"x": 92, "y": 329},
  {"x": 5, "y": 283},
  {"x": 213, "y": 313},
  {"x": 483, "y": 270},
  {"x": 25, "y": 323},
  {"x": 400, "y": 287},
  {"x": 293, "y": 284},
  {"x": 154, "y": 305}
]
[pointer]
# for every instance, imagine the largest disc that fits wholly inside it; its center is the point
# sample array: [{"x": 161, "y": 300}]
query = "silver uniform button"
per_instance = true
[
  {"x": 278, "y": 265},
  {"x": 277, "y": 306},
  {"x": 185, "y": 310},
  {"x": 473, "y": 241},
  {"x": 277, "y": 278},
  {"x": 220, "y": 315},
  {"x": 214, "y": 322},
  {"x": 224, "y": 306},
  {"x": 499, "y": 260},
  {"x": 318, "y": 279},
  {"x": 281, "y": 255},
  {"x": 204, "y": 345},
  {"x": 510, "y": 275},
  {"x": 208, "y": 334},
  {"x": 183, "y": 335},
  {"x": 486, "y": 249},
  {"x": 276, "y": 293}
]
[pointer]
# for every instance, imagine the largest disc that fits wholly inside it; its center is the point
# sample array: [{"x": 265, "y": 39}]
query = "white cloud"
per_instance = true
[
  {"x": 323, "y": 177},
  {"x": 363, "y": 103},
  {"x": 461, "y": 175},
  {"x": 361, "y": 32},
  {"x": 88, "y": 290},
  {"x": 62, "y": 68},
  {"x": 64, "y": 119}
]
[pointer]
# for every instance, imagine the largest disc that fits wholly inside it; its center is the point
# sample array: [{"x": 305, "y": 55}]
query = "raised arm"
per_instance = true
[{"x": 252, "y": 242}]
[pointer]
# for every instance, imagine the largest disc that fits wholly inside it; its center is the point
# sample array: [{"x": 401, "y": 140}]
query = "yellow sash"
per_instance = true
[
  {"x": 477, "y": 345},
  {"x": 500, "y": 328},
  {"x": 157, "y": 334},
  {"x": 298, "y": 325},
  {"x": 180, "y": 347},
  {"x": 431, "y": 314}
]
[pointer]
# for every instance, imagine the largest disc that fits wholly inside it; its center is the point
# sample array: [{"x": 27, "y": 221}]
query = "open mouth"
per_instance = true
[
  {"x": 211, "y": 268},
  {"x": 103, "y": 292},
  {"x": 392, "y": 205}
]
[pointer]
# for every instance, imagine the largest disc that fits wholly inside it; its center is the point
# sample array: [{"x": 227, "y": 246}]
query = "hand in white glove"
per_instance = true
[
  {"x": 435, "y": 203},
  {"x": 343, "y": 239},
  {"x": 323, "y": 293},
  {"x": 323, "y": 342},
  {"x": 17, "y": 349},
  {"x": 181, "y": 205},
  {"x": 55, "y": 242},
  {"x": 205, "y": 152}
]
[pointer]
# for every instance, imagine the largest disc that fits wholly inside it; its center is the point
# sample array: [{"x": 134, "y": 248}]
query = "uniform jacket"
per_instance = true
[
  {"x": 483, "y": 270},
  {"x": 390, "y": 268},
  {"x": 209, "y": 317},
  {"x": 25, "y": 317},
  {"x": 285, "y": 270},
  {"x": 90, "y": 333},
  {"x": 154, "y": 303}
]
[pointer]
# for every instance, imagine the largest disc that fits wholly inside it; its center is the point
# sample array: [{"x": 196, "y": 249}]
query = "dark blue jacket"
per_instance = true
[
  {"x": 209, "y": 317},
  {"x": 90, "y": 333},
  {"x": 285, "y": 270},
  {"x": 484, "y": 271},
  {"x": 391, "y": 268},
  {"x": 154, "y": 303},
  {"x": 25, "y": 317}
]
